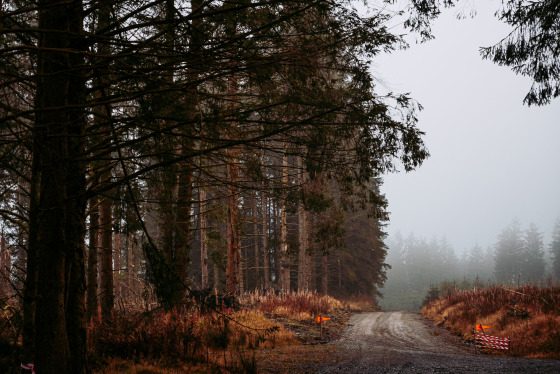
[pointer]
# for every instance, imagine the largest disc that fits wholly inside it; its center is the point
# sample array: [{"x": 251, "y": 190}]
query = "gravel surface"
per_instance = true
[
  {"x": 403, "y": 342},
  {"x": 394, "y": 342}
]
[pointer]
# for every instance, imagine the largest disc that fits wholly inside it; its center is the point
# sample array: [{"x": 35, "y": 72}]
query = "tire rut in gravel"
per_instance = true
[{"x": 402, "y": 342}]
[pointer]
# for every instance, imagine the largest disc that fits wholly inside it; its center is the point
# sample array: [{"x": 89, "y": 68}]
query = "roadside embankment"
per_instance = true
[
  {"x": 259, "y": 332},
  {"x": 529, "y": 315}
]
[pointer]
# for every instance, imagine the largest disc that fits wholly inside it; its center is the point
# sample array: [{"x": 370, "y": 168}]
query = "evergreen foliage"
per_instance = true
[
  {"x": 531, "y": 48},
  {"x": 555, "y": 251},
  {"x": 477, "y": 262},
  {"x": 419, "y": 270},
  {"x": 534, "y": 264},
  {"x": 135, "y": 107},
  {"x": 509, "y": 254}
]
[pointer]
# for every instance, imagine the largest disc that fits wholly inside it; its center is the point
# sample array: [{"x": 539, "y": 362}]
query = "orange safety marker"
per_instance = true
[
  {"x": 481, "y": 327},
  {"x": 320, "y": 320}
]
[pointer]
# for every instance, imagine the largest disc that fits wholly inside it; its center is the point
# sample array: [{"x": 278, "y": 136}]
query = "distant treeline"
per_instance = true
[{"x": 519, "y": 256}]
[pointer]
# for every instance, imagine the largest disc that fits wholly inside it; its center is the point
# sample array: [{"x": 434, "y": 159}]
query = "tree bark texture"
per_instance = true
[
  {"x": 117, "y": 264},
  {"x": 103, "y": 112},
  {"x": 203, "y": 247},
  {"x": 93, "y": 252},
  {"x": 304, "y": 263},
  {"x": 57, "y": 224},
  {"x": 233, "y": 256},
  {"x": 266, "y": 259},
  {"x": 325, "y": 274},
  {"x": 184, "y": 203},
  {"x": 304, "y": 260},
  {"x": 5, "y": 267},
  {"x": 129, "y": 263},
  {"x": 167, "y": 194},
  {"x": 284, "y": 271},
  {"x": 232, "y": 168},
  {"x": 256, "y": 241},
  {"x": 107, "y": 297},
  {"x": 216, "y": 276},
  {"x": 23, "y": 202}
]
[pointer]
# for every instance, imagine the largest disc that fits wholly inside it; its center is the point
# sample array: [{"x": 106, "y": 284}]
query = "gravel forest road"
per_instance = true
[{"x": 403, "y": 342}]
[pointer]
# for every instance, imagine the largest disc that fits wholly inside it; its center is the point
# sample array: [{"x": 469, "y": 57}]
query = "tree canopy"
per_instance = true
[
  {"x": 145, "y": 119},
  {"x": 532, "y": 47},
  {"x": 529, "y": 49}
]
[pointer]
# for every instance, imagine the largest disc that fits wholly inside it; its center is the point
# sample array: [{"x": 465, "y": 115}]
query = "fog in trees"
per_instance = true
[
  {"x": 519, "y": 256},
  {"x": 154, "y": 152}
]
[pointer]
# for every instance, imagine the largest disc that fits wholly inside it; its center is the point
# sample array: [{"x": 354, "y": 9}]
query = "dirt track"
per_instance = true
[
  {"x": 402, "y": 342},
  {"x": 395, "y": 342}
]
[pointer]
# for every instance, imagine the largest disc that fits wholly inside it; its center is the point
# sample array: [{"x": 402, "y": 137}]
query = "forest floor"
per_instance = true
[
  {"x": 315, "y": 350},
  {"x": 356, "y": 338},
  {"x": 391, "y": 342}
]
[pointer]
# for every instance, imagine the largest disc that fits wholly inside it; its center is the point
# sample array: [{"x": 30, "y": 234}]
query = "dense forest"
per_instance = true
[
  {"x": 150, "y": 150},
  {"x": 422, "y": 268},
  {"x": 167, "y": 147}
]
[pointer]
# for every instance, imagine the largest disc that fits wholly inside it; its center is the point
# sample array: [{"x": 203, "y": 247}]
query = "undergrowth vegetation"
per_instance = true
[
  {"x": 185, "y": 336},
  {"x": 529, "y": 315},
  {"x": 210, "y": 333},
  {"x": 295, "y": 305}
]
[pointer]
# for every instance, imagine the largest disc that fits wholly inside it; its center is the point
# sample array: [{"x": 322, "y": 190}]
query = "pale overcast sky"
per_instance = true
[{"x": 493, "y": 159}]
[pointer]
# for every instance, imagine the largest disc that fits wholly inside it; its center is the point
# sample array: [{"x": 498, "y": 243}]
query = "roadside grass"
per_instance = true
[
  {"x": 191, "y": 338},
  {"x": 209, "y": 333},
  {"x": 183, "y": 338},
  {"x": 301, "y": 305},
  {"x": 362, "y": 303},
  {"x": 529, "y": 315}
]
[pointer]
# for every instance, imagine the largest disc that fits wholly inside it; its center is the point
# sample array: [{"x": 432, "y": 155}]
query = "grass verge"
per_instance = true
[
  {"x": 529, "y": 315},
  {"x": 226, "y": 340}
]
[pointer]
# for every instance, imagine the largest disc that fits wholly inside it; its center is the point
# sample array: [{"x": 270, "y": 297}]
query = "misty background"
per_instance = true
[{"x": 493, "y": 159}]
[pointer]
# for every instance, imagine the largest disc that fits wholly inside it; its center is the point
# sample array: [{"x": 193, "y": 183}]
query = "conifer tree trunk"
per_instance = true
[
  {"x": 117, "y": 264},
  {"x": 256, "y": 240},
  {"x": 232, "y": 169},
  {"x": 172, "y": 181},
  {"x": 325, "y": 274},
  {"x": 57, "y": 224},
  {"x": 92, "y": 259},
  {"x": 2, "y": 263},
  {"x": 5, "y": 267},
  {"x": 195, "y": 50},
  {"x": 284, "y": 270},
  {"x": 129, "y": 263},
  {"x": 30, "y": 284},
  {"x": 216, "y": 276},
  {"x": 103, "y": 113},
  {"x": 266, "y": 260},
  {"x": 185, "y": 188},
  {"x": 169, "y": 296},
  {"x": 75, "y": 233},
  {"x": 21, "y": 248},
  {"x": 339, "y": 272},
  {"x": 203, "y": 247},
  {"x": 275, "y": 253},
  {"x": 241, "y": 272},
  {"x": 242, "y": 259},
  {"x": 107, "y": 298},
  {"x": 8, "y": 269},
  {"x": 233, "y": 256},
  {"x": 137, "y": 258},
  {"x": 184, "y": 202},
  {"x": 304, "y": 263}
]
